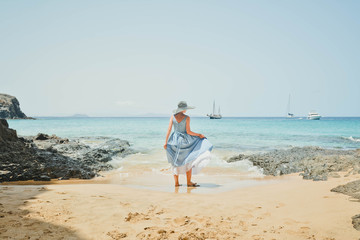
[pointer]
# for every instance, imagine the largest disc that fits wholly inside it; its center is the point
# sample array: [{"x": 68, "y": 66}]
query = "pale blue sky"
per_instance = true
[{"x": 119, "y": 58}]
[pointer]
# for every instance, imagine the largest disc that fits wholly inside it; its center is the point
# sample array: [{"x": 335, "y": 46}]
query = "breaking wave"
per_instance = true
[{"x": 351, "y": 139}]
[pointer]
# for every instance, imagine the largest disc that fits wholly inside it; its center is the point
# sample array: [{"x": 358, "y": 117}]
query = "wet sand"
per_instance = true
[{"x": 149, "y": 207}]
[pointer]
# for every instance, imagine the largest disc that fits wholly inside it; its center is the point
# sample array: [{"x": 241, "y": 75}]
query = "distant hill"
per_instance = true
[{"x": 10, "y": 108}]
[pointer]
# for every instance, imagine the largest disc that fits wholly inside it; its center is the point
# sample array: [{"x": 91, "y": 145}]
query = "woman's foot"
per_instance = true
[
  {"x": 177, "y": 185},
  {"x": 191, "y": 184}
]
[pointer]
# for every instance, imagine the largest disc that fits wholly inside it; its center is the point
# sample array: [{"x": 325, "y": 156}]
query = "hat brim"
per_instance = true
[{"x": 182, "y": 109}]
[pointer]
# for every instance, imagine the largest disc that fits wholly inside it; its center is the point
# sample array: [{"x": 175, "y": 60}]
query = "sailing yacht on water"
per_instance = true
[
  {"x": 289, "y": 114},
  {"x": 213, "y": 115}
]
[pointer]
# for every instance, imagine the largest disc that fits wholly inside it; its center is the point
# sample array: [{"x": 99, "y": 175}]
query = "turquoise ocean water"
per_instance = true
[{"x": 228, "y": 134}]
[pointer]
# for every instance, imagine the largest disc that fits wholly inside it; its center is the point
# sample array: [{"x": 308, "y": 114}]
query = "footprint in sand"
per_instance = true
[
  {"x": 116, "y": 234},
  {"x": 304, "y": 229},
  {"x": 181, "y": 221},
  {"x": 242, "y": 223},
  {"x": 135, "y": 217},
  {"x": 152, "y": 209},
  {"x": 312, "y": 237},
  {"x": 275, "y": 229},
  {"x": 160, "y": 212},
  {"x": 257, "y": 237}
]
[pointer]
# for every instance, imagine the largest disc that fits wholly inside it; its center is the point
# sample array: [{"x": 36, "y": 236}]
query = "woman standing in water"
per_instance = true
[{"x": 187, "y": 152}]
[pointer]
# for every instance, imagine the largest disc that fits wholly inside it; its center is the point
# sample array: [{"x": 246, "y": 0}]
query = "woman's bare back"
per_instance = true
[{"x": 179, "y": 117}]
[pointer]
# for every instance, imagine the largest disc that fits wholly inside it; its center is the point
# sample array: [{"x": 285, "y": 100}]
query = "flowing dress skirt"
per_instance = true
[{"x": 185, "y": 152}]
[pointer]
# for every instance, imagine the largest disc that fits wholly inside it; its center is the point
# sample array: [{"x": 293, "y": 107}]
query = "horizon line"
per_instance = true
[{"x": 197, "y": 116}]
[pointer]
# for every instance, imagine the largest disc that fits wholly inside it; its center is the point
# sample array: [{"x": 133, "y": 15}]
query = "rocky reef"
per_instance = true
[
  {"x": 351, "y": 189},
  {"x": 10, "y": 107},
  {"x": 312, "y": 162},
  {"x": 45, "y": 157}
]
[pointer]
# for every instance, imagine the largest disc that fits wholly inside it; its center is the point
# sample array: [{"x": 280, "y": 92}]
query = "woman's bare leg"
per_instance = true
[
  {"x": 188, "y": 179},
  {"x": 176, "y": 178}
]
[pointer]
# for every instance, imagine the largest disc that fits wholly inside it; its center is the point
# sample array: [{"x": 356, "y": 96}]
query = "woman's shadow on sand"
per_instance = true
[{"x": 18, "y": 221}]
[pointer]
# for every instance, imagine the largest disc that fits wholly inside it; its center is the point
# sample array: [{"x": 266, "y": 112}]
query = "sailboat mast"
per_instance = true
[
  {"x": 214, "y": 108},
  {"x": 288, "y": 108}
]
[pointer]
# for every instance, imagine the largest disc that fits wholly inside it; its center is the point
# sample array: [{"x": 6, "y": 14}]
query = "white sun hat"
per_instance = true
[{"x": 182, "y": 105}]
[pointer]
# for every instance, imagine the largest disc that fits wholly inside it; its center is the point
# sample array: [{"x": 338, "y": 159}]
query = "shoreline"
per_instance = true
[{"x": 158, "y": 181}]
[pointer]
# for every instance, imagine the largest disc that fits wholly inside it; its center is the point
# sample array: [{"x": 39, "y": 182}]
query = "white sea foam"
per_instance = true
[
  {"x": 116, "y": 162},
  {"x": 159, "y": 164},
  {"x": 243, "y": 166},
  {"x": 352, "y": 139}
]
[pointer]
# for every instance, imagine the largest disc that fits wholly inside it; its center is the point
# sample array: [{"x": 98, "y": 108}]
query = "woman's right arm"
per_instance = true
[{"x": 168, "y": 131}]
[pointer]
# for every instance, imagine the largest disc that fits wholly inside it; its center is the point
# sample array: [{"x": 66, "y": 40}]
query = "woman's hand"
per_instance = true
[
  {"x": 165, "y": 146},
  {"x": 201, "y": 136}
]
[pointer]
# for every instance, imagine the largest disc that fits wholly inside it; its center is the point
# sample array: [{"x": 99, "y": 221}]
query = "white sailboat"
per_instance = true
[
  {"x": 289, "y": 114},
  {"x": 213, "y": 115}
]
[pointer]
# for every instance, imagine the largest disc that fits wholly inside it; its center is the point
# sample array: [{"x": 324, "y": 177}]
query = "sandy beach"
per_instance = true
[{"x": 279, "y": 208}]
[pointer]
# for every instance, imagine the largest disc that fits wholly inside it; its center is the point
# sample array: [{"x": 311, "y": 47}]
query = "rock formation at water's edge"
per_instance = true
[
  {"x": 45, "y": 157},
  {"x": 10, "y": 107}
]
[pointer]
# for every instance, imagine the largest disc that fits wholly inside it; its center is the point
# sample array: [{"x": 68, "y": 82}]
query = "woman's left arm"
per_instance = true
[
  {"x": 188, "y": 131},
  {"x": 168, "y": 131}
]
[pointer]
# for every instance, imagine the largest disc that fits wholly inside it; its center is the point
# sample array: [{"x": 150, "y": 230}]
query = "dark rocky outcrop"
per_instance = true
[
  {"x": 356, "y": 221},
  {"x": 315, "y": 163},
  {"x": 351, "y": 189},
  {"x": 10, "y": 107},
  {"x": 45, "y": 157},
  {"x": 6, "y": 134}
]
